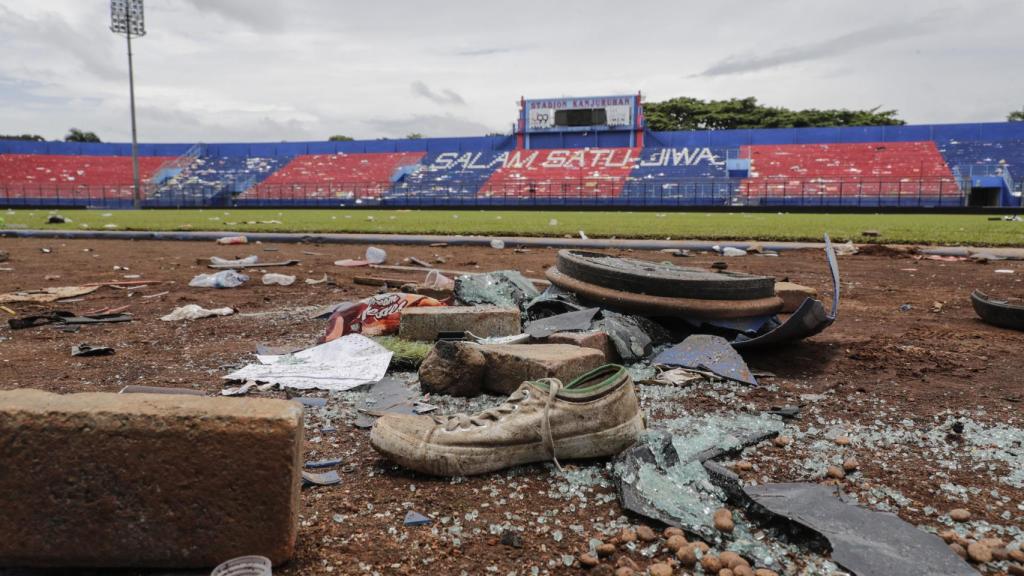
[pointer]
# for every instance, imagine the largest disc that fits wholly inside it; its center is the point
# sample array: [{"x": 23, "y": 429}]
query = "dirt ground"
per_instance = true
[{"x": 898, "y": 377}]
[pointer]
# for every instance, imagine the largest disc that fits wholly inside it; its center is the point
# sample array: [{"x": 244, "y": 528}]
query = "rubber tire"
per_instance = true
[{"x": 661, "y": 280}]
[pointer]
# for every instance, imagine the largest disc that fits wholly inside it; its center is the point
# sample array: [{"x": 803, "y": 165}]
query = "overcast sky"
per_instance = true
[{"x": 266, "y": 70}]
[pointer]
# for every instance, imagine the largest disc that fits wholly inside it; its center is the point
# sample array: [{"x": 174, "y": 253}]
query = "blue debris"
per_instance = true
[
  {"x": 708, "y": 353},
  {"x": 325, "y": 479},
  {"x": 328, "y": 463},
  {"x": 416, "y": 519}
]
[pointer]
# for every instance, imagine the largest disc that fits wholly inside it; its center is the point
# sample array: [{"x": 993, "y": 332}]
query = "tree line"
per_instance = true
[{"x": 73, "y": 135}]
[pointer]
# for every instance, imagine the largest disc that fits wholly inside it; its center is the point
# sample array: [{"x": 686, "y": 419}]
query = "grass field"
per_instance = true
[{"x": 893, "y": 228}]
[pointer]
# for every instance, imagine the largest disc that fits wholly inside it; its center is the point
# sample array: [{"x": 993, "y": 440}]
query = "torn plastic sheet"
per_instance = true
[
  {"x": 341, "y": 364},
  {"x": 866, "y": 542},
  {"x": 809, "y": 319},
  {"x": 505, "y": 288},
  {"x": 662, "y": 476},
  {"x": 709, "y": 353},
  {"x": 567, "y": 322}
]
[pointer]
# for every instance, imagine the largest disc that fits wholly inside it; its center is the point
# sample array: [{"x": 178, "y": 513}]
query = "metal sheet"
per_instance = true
[
  {"x": 708, "y": 353},
  {"x": 866, "y": 542}
]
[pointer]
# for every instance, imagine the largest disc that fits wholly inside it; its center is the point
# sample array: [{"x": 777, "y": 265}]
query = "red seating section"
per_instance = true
[
  {"x": 335, "y": 175},
  {"x": 70, "y": 171},
  {"x": 578, "y": 173},
  {"x": 877, "y": 168}
]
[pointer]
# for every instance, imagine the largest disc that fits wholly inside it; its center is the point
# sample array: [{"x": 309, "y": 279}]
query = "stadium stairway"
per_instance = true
[{"x": 214, "y": 180}]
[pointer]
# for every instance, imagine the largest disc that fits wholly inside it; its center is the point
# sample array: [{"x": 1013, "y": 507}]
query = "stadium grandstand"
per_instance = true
[{"x": 592, "y": 151}]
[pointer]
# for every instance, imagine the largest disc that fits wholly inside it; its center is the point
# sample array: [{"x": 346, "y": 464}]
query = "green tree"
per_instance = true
[
  {"x": 737, "y": 113},
  {"x": 340, "y": 138},
  {"x": 1016, "y": 116},
  {"x": 32, "y": 137},
  {"x": 76, "y": 135},
  {"x": 414, "y": 136}
]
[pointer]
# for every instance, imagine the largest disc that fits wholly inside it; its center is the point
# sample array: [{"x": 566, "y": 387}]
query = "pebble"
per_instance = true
[
  {"x": 979, "y": 553},
  {"x": 624, "y": 571},
  {"x": 842, "y": 441},
  {"x": 782, "y": 441},
  {"x": 711, "y": 564},
  {"x": 660, "y": 569},
  {"x": 702, "y": 546},
  {"x": 743, "y": 570},
  {"x": 958, "y": 550},
  {"x": 588, "y": 560},
  {"x": 732, "y": 560},
  {"x": 1015, "y": 570},
  {"x": 960, "y": 514},
  {"x": 726, "y": 572},
  {"x": 675, "y": 542},
  {"x": 993, "y": 543},
  {"x": 687, "y": 556},
  {"x": 672, "y": 531},
  {"x": 627, "y": 536},
  {"x": 1000, "y": 554},
  {"x": 606, "y": 549},
  {"x": 765, "y": 572},
  {"x": 1017, "y": 555},
  {"x": 835, "y": 472},
  {"x": 602, "y": 570},
  {"x": 645, "y": 534},
  {"x": 948, "y": 536},
  {"x": 723, "y": 520},
  {"x": 850, "y": 464},
  {"x": 743, "y": 466}
]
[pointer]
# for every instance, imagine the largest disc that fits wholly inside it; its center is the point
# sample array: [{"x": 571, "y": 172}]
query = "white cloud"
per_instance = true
[{"x": 236, "y": 70}]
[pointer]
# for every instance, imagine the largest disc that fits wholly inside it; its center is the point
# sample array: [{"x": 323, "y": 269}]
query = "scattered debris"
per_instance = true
[
  {"x": 136, "y": 389},
  {"x": 227, "y": 240},
  {"x": 314, "y": 281},
  {"x": 374, "y": 316},
  {"x": 225, "y": 279},
  {"x": 708, "y": 353},
  {"x": 503, "y": 288},
  {"x": 416, "y": 519},
  {"x": 195, "y": 312},
  {"x": 569, "y": 321},
  {"x": 325, "y": 479},
  {"x": 340, "y": 364},
  {"x": 244, "y": 566},
  {"x": 278, "y": 279},
  {"x": 847, "y": 249},
  {"x": 90, "y": 350},
  {"x": 66, "y": 318},
  {"x": 376, "y": 255},
  {"x": 48, "y": 294},
  {"x": 998, "y": 312},
  {"x": 392, "y": 394}
]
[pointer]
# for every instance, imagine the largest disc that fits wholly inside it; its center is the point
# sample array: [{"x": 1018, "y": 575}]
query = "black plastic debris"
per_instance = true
[
  {"x": 324, "y": 479},
  {"x": 633, "y": 336},
  {"x": 56, "y": 219},
  {"x": 512, "y": 538},
  {"x": 710, "y": 354},
  {"x": 416, "y": 519},
  {"x": 65, "y": 318},
  {"x": 865, "y": 542},
  {"x": 998, "y": 312},
  {"x": 326, "y": 463},
  {"x": 786, "y": 412},
  {"x": 567, "y": 322},
  {"x": 90, "y": 350}
]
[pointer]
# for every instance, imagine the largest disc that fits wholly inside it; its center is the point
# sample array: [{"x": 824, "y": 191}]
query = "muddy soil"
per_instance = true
[{"x": 911, "y": 370}]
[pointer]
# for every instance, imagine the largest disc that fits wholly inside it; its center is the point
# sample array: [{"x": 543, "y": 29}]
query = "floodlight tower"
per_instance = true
[{"x": 126, "y": 17}]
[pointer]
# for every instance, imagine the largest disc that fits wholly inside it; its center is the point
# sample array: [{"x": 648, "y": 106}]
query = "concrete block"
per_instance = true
[
  {"x": 424, "y": 323},
  {"x": 590, "y": 339},
  {"x": 793, "y": 295},
  {"x": 508, "y": 365},
  {"x": 146, "y": 480}
]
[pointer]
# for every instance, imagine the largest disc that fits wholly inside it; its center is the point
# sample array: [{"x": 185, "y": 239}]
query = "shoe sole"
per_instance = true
[{"x": 442, "y": 460}]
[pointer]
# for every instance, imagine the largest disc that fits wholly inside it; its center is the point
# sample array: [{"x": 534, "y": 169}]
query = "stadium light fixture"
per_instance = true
[{"x": 127, "y": 18}]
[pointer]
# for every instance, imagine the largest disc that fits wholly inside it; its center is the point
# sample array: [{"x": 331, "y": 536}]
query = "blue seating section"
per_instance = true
[
  {"x": 446, "y": 176},
  {"x": 215, "y": 179},
  {"x": 1009, "y": 153}
]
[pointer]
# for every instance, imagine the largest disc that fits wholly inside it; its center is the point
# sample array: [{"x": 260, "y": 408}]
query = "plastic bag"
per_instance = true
[
  {"x": 374, "y": 316},
  {"x": 223, "y": 279},
  {"x": 375, "y": 255},
  {"x": 279, "y": 279}
]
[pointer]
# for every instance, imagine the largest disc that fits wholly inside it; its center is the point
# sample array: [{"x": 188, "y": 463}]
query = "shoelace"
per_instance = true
[{"x": 455, "y": 421}]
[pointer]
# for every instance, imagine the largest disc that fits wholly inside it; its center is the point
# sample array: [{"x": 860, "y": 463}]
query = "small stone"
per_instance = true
[
  {"x": 1017, "y": 555},
  {"x": 626, "y": 561},
  {"x": 958, "y": 550},
  {"x": 660, "y": 569},
  {"x": 842, "y": 441},
  {"x": 731, "y": 560},
  {"x": 1000, "y": 554},
  {"x": 602, "y": 570},
  {"x": 675, "y": 542},
  {"x": 1015, "y": 570},
  {"x": 726, "y": 572},
  {"x": 993, "y": 543},
  {"x": 711, "y": 564},
  {"x": 782, "y": 441},
  {"x": 960, "y": 514},
  {"x": 765, "y": 572},
  {"x": 979, "y": 553},
  {"x": 743, "y": 466},
  {"x": 723, "y": 520},
  {"x": 743, "y": 570},
  {"x": 702, "y": 546},
  {"x": 512, "y": 538},
  {"x": 948, "y": 536},
  {"x": 687, "y": 556},
  {"x": 606, "y": 549},
  {"x": 835, "y": 472},
  {"x": 645, "y": 534},
  {"x": 627, "y": 536},
  {"x": 850, "y": 464},
  {"x": 588, "y": 560},
  {"x": 624, "y": 571},
  {"x": 672, "y": 531}
]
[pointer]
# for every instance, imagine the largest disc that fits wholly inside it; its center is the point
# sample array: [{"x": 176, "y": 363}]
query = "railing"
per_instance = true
[{"x": 694, "y": 192}]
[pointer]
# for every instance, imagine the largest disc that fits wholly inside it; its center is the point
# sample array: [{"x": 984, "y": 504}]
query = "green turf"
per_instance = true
[{"x": 894, "y": 228}]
